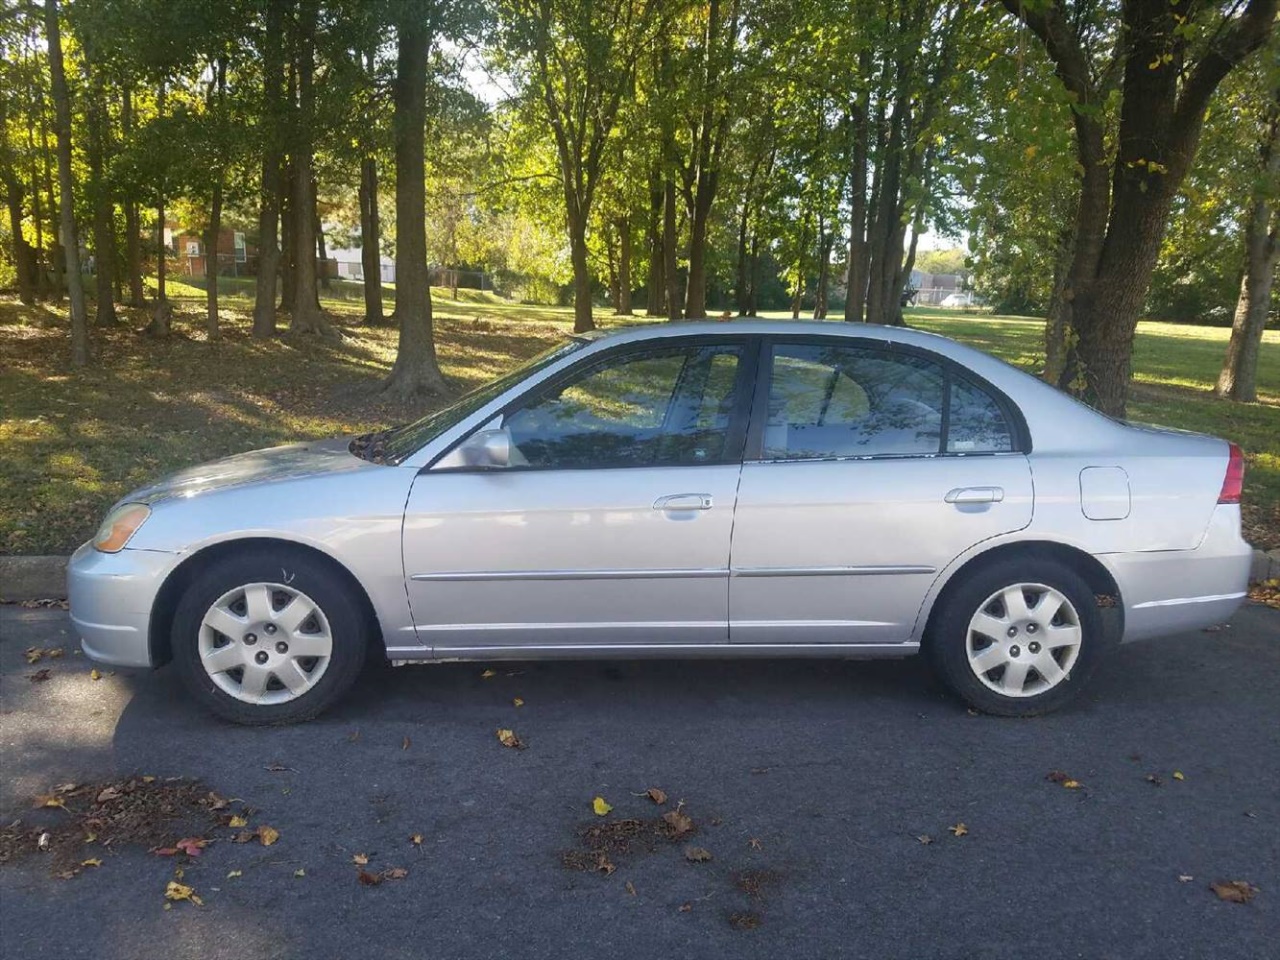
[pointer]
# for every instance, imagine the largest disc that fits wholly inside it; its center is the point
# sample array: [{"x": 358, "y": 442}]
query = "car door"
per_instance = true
[
  {"x": 868, "y": 469},
  {"x": 611, "y": 524}
]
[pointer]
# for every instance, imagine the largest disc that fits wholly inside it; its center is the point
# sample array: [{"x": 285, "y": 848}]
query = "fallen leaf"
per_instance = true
[
  {"x": 517, "y": 702},
  {"x": 268, "y": 835},
  {"x": 1071, "y": 784},
  {"x": 679, "y": 822},
  {"x": 416, "y": 839},
  {"x": 1234, "y": 891},
  {"x": 49, "y": 800},
  {"x": 33, "y": 654},
  {"x": 487, "y": 674},
  {"x": 1185, "y": 878},
  {"x": 40, "y": 676},
  {"x": 508, "y": 738},
  {"x": 755, "y": 844},
  {"x": 1177, "y": 775},
  {"x": 959, "y": 829},
  {"x": 631, "y": 888},
  {"x": 1154, "y": 780},
  {"x": 91, "y": 862},
  {"x": 95, "y": 674},
  {"x": 601, "y": 806},
  {"x": 244, "y": 836},
  {"x": 299, "y": 872},
  {"x": 697, "y": 854},
  {"x": 238, "y": 821},
  {"x": 360, "y": 859},
  {"x": 656, "y": 795},
  {"x": 925, "y": 839},
  {"x": 192, "y": 846},
  {"x": 108, "y": 793},
  {"x": 395, "y": 873},
  {"x": 369, "y": 879},
  {"x": 404, "y": 744},
  {"x": 686, "y": 907},
  {"x": 178, "y": 891},
  {"x": 54, "y": 654},
  {"x": 235, "y": 873}
]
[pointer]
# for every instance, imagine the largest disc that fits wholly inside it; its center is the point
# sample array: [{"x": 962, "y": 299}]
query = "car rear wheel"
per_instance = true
[
  {"x": 271, "y": 637},
  {"x": 1017, "y": 637}
]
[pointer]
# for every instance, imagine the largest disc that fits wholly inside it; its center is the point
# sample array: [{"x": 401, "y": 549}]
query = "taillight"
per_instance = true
[{"x": 1233, "y": 482}]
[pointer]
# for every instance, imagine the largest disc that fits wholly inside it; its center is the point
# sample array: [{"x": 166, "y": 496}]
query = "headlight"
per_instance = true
[{"x": 120, "y": 524}]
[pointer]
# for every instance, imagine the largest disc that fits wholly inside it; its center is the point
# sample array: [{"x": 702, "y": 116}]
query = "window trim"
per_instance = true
[
  {"x": 739, "y": 415},
  {"x": 953, "y": 370}
]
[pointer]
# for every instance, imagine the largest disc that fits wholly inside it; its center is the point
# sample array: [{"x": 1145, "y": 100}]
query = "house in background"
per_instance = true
[
  {"x": 933, "y": 288},
  {"x": 234, "y": 256},
  {"x": 343, "y": 263}
]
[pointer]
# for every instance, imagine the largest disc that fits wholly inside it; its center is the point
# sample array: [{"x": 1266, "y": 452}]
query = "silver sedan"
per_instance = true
[{"x": 747, "y": 489}]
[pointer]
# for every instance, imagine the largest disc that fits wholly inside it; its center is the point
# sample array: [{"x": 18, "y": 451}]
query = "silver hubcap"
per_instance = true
[
  {"x": 1024, "y": 640},
  {"x": 265, "y": 643}
]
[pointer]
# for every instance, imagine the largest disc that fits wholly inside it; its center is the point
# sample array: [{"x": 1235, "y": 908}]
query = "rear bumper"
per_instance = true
[
  {"x": 1172, "y": 591},
  {"x": 111, "y": 596}
]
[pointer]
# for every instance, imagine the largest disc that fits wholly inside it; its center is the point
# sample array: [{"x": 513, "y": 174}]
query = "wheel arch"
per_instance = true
[
  {"x": 160, "y": 630},
  {"x": 1094, "y": 572}
]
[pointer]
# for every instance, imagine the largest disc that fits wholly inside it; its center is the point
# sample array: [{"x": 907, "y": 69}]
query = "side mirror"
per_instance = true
[{"x": 488, "y": 448}]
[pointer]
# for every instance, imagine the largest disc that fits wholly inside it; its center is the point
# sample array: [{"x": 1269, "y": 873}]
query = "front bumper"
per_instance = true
[
  {"x": 111, "y": 597},
  {"x": 1173, "y": 591}
]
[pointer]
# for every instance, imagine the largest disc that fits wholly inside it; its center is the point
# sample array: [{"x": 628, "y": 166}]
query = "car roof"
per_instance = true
[{"x": 628, "y": 332}]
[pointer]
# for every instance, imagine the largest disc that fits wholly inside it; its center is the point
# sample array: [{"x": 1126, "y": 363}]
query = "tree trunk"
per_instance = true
[
  {"x": 320, "y": 248},
  {"x": 66, "y": 183},
  {"x": 826, "y": 239},
  {"x": 264, "y": 300},
  {"x": 54, "y": 277},
  {"x": 132, "y": 219},
  {"x": 416, "y": 370},
  {"x": 695, "y": 295},
  {"x": 217, "y": 92},
  {"x": 582, "y": 318},
  {"x": 307, "y": 317},
  {"x": 656, "y": 290},
  {"x": 23, "y": 256},
  {"x": 24, "y": 260},
  {"x": 856, "y": 278},
  {"x": 741, "y": 288},
  {"x": 370, "y": 241},
  {"x": 624, "y": 266},
  {"x": 104, "y": 245},
  {"x": 288, "y": 238},
  {"x": 669, "y": 249},
  {"x": 1239, "y": 377}
]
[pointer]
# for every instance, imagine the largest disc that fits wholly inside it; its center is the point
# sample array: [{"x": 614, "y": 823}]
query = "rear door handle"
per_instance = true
[
  {"x": 975, "y": 495},
  {"x": 684, "y": 501}
]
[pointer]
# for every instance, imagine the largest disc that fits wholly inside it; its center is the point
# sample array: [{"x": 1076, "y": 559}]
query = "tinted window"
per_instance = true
[
  {"x": 661, "y": 407},
  {"x": 846, "y": 401},
  {"x": 976, "y": 424}
]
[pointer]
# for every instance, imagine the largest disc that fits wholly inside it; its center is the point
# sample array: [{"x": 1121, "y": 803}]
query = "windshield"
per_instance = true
[{"x": 395, "y": 443}]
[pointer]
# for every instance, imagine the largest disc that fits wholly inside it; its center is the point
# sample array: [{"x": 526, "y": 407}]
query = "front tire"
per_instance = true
[
  {"x": 270, "y": 637},
  {"x": 1018, "y": 637}
]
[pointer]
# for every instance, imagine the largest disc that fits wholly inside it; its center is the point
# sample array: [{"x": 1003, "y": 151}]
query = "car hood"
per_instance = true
[{"x": 292, "y": 461}]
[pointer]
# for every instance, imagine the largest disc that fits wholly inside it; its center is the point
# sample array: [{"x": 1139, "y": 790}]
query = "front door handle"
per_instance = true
[
  {"x": 975, "y": 495},
  {"x": 684, "y": 501}
]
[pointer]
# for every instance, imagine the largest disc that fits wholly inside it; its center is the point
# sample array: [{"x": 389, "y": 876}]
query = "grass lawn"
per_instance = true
[{"x": 74, "y": 441}]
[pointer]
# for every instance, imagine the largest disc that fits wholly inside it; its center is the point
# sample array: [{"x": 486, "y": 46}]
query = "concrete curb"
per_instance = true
[
  {"x": 45, "y": 578},
  {"x": 33, "y": 578}
]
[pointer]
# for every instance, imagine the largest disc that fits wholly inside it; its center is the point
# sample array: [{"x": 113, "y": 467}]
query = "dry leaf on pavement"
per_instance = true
[
  {"x": 268, "y": 835},
  {"x": 509, "y": 738},
  {"x": 656, "y": 795},
  {"x": 1234, "y": 891},
  {"x": 360, "y": 859},
  {"x": 959, "y": 829},
  {"x": 601, "y": 806},
  {"x": 679, "y": 822},
  {"x": 697, "y": 854},
  {"x": 179, "y": 891}
]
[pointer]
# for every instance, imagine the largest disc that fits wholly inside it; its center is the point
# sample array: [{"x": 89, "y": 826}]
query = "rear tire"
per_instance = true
[
  {"x": 271, "y": 637},
  {"x": 1018, "y": 637}
]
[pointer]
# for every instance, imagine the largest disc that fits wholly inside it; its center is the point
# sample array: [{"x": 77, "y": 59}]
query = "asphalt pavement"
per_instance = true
[{"x": 817, "y": 779}]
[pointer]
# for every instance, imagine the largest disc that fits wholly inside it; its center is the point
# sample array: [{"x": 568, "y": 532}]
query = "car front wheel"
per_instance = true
[
  {"x": 271, "y": 637},
  {"x": 1018, "y": 637}
]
